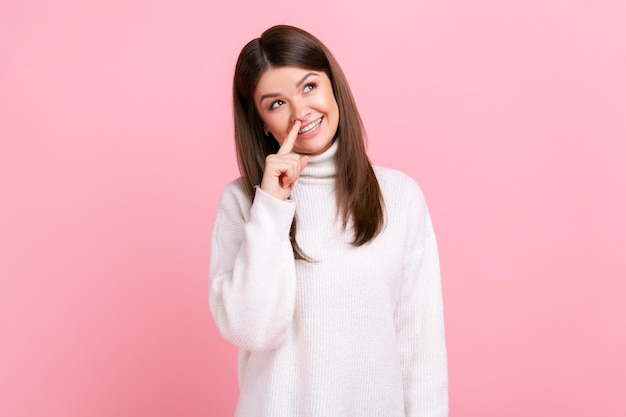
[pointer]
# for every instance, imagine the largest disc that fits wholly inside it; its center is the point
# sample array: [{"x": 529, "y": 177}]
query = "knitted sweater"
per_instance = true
[{"x": 357, "y": 332}]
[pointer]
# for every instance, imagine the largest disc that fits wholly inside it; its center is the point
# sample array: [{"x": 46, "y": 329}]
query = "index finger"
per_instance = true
[{"x": 290, "y": 140}]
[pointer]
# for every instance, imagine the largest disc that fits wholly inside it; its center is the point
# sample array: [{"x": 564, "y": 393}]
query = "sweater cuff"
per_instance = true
[{"x": 272, "y": 212}]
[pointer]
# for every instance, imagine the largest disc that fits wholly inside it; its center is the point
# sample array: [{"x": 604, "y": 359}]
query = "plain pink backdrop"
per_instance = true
[{"x": 116, "y": 140}]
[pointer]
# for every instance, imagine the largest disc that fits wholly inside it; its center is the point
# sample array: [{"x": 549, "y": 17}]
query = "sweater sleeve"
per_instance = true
[
  {"x": 420, "y": 321},
  {"x": 252, "y": 269}
]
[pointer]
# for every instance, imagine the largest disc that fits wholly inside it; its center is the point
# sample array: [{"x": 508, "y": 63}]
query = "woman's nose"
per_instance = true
[{"x": 301, "y": 111}]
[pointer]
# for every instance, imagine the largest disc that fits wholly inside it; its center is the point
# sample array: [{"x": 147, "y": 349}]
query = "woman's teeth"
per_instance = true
[{"x": 310, "y": 126}]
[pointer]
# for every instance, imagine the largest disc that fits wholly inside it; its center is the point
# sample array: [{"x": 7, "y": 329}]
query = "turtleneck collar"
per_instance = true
[{"x": 323, "y": 165}]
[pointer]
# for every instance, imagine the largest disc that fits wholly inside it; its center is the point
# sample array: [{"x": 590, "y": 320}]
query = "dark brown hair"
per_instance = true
[{"x": 359, "y": 199}]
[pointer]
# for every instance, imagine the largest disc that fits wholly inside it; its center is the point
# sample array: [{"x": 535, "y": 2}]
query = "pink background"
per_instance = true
[{"x": 116, "y": 139}]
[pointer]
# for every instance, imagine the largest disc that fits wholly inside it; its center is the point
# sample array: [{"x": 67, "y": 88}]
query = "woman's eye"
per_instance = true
[
  {"x": 309, "y": 87},
  {"x": 275, "y": 104}
]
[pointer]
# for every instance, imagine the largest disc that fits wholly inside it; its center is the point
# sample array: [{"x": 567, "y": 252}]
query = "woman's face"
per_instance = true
[{"x": 286, "y": 94}]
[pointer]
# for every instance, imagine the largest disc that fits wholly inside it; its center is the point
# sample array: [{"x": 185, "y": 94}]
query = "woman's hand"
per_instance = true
[{"x": 282, "y": 169}]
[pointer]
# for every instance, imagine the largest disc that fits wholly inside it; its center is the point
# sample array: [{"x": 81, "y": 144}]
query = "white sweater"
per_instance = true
[{"x": 357, "y": 332}]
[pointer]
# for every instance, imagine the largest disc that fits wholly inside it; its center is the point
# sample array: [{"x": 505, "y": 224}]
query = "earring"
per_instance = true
[{"x": 265, "y": 130}]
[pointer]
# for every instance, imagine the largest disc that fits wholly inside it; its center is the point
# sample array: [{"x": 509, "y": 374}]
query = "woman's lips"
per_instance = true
[{"x": 310, "y": 127}]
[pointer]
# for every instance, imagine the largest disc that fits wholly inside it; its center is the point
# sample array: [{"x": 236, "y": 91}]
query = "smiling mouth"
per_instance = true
[{"x": 310, "y": 126}]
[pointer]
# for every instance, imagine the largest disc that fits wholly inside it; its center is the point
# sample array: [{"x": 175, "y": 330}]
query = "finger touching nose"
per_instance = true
[{"x": 300, "y": 112}]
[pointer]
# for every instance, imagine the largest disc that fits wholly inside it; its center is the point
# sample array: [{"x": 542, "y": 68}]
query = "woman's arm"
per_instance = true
[
  {"x": 420, "y": 321},
  {"x": 252, "y": 269}
]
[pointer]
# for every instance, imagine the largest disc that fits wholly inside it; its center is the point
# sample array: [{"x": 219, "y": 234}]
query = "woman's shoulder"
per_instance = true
[
  {"x": 234, "y": 193},
  {"x": 402, "y": 195},
  {"x": 395, "y": 182},
  {"x": 234, "y": 204}
]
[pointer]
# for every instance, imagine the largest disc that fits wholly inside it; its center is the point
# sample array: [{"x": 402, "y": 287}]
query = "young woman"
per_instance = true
[{"x": 324, "y": 269}]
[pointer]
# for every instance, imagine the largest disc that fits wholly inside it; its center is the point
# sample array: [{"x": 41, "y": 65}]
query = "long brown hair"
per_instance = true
[{"x": 359, "y": 198}]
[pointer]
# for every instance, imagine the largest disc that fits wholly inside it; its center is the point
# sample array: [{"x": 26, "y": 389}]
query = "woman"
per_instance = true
[{"x": 324, "y": 269}]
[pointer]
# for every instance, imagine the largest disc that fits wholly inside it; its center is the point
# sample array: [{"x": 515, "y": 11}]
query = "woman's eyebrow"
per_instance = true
[
  {"x": 270, "y": 95},
  {"x": 310, "y": 74},
  {"x": 298, "y": 84}
]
